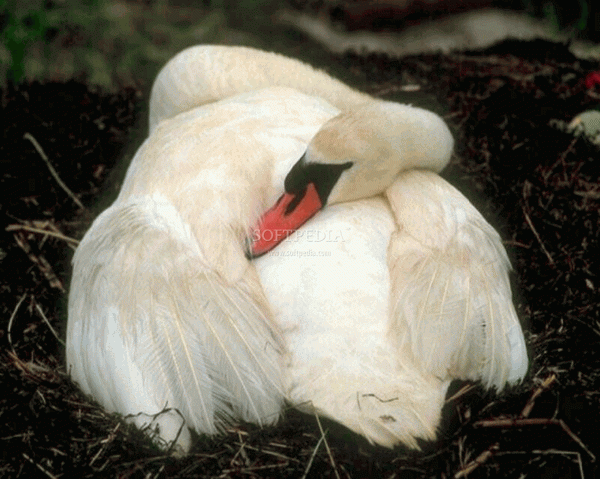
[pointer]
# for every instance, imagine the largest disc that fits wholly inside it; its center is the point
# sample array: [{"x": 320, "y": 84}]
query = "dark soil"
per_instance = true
[{"x": 536, "y": 183}]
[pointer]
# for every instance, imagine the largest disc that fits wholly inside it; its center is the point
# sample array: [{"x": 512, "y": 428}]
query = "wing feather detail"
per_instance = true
[
  {"x": 151, "y": 326},
  {"x": 451, "y": 304}
]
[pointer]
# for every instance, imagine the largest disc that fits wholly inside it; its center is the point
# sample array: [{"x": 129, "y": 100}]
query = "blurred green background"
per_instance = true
[
  {"x": 116, "y": 43},
  {"x": 124, "y": 43}
]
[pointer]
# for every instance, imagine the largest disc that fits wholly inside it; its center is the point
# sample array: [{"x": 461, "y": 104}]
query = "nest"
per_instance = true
[{"x": 531, "y": 178}]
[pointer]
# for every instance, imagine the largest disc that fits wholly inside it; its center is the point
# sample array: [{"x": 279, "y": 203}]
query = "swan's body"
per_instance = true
[
  {"x": 166, "y": 311},
  {"x": 343, "y": 363}
]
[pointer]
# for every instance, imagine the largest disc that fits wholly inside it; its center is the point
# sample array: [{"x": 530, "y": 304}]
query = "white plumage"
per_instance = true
[
  {"x": 451, "y": 299},
  {"x": 365, "y": 314}
]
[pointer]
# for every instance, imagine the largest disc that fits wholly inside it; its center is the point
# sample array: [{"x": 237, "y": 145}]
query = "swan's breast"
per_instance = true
[{"x": 330, "y": 279}]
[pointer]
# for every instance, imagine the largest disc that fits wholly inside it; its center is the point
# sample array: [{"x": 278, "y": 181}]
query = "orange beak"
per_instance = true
[{"x": 286, "y": 216}]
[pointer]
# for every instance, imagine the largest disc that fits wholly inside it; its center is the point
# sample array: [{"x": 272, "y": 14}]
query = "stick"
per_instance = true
[
  {"x": 535, "y": 422},
  {"x": 36, "y": 145},
  {"x": 327, "y": 447},
  {"x": 312, "y": 457},
  {"x": 39, "y": 466},
  {"x": 45, "y": 319},
  {"x": 31, "y": 229},
  {"x": 545, "y": 385},
  {"x": 10, "y": 321},
  {"x": 478, "y": 461},
  {"x": 537, "y": 236}
]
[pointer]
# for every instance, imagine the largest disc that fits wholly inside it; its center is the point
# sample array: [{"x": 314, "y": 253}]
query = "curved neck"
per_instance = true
[{"x": 206, "y": 73}]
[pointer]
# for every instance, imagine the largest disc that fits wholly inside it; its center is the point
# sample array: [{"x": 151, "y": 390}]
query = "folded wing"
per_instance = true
[
  {"x": 451, "y": 302},
  {"x": 151, "y": 327}
]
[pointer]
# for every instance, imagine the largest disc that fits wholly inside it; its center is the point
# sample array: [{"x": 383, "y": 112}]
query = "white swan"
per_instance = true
[{"x": 171, "y": 323}]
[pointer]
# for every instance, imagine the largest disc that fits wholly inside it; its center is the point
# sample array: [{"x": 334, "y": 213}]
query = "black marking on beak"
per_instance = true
[{"x": 323, "y": 175}]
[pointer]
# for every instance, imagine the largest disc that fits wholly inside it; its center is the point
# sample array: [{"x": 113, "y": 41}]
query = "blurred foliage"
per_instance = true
[
  {"x": 115, "y": 43},
  {"x": 565, "y": 15},
  {"x": 21, "y": 25},
  {"x": 103, "y": 42}
]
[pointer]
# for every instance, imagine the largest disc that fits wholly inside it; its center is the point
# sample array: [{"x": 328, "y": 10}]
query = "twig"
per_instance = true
[
  {"x": 516, "y": 243},
  {"x": 312, "y": 457},
  {"x": 535, "y": 422},
  {"x": 162, "y": 468},
  {"x": 461, "y": 392},
  {"x": 522, "y": 421},
  {"x": 272, "y": 453},
  {"x": 327, "y": 447},
  {"x": 240, "y": 452},
  {"x": 530, "y": 223},
  {"x": 105, "y": 442},
  {"x": 39, "y": 466},
  {"x": 545, "y": 385},
  {"x": 548, "y": 452},
  {"x": 575, "y": 438},
  {"x": 45, "y": 319},
  {"x": 593, "y": 194},
  {"x": 478, "y": 461},
  {"x": 36, "y": 145},
  {"x": 386, "y": 90},
  {"x": 250, "y": 469},
  {"x": 508, "y": 422},
  {"x": 36, "y": 372},
  {"x": 31, "y": 229},
  {"x": 10, "y": 321},
  {"x": 41, "y": 262}
]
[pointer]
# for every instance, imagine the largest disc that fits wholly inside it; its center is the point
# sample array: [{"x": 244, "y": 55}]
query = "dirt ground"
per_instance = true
[{"x": 63, "y": 153}]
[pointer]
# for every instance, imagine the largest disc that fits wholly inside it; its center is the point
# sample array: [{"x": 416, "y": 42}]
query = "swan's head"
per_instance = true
[{"x": 354, "y": 155}]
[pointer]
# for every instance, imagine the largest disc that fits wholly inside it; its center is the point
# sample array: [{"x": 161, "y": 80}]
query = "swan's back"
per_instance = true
[{"x": 223, "y": 163}]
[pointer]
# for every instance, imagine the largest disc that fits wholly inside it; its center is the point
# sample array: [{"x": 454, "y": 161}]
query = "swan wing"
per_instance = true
[
  {"x": 151, "y": 327},
  {"x": 451, "y": 302}
]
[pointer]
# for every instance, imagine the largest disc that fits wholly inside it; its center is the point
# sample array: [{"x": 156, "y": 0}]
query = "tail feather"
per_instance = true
[
  {"x": 151, "y": 326},
  {"x": 451, "y": 304}
]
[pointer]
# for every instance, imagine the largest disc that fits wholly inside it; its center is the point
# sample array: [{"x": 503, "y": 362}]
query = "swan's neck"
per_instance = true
[
  {"x": 417, "y": 138},
  {"x": 381, "y": 139},
  {"x": 195, "y": 77}
]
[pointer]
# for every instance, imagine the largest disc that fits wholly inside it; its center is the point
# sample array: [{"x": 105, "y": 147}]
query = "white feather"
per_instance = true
[
  {"x": 152, "y": 327},
  {"x": 452, "y": 308},
  {"x": 165, "y": 311},
  {"x": 208, "y": 73},
  {"x": 329, "y": 287}
]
